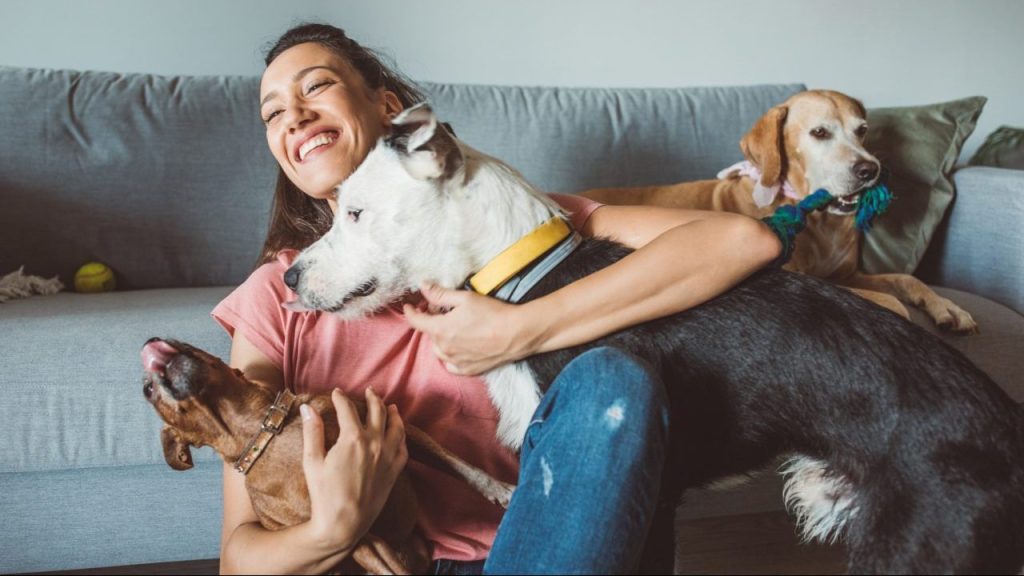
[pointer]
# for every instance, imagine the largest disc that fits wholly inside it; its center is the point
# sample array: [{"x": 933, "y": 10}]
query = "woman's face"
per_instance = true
[{"x": 321, "y": 118}]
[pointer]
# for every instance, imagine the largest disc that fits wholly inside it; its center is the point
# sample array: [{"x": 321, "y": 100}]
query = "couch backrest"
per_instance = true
[{"x": 169, "y": 180}]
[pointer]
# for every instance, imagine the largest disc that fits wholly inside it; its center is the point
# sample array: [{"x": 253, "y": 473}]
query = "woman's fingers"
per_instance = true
[
  {"x": 349, "y": 423},
  {"x": 376, "y": 413},
  {"x": 312, "y": 438}
]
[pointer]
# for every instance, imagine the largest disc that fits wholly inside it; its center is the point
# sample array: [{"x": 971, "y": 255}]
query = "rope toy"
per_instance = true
[{"x": 790, "y": 220}]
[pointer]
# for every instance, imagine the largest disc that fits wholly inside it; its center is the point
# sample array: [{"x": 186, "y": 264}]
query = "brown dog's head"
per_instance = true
[
  {"x": 200, "y": 398},
  {"x": 815, "y": 140}
]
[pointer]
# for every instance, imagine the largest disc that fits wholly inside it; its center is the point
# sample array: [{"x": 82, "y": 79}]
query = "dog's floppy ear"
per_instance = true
[
  {"x": 176, "y": 449},
  {"x": 764, "y": 145},
  {"x": 428, "y": 150}
]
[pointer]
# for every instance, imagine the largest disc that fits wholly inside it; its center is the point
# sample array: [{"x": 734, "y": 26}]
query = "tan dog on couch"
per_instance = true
[
  {"x": 204, "y": 402},
  {"x": 813, "y": 140}
]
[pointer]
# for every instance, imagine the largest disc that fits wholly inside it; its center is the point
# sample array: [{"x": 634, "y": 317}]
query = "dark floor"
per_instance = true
[{"x": 750, "y": 544}]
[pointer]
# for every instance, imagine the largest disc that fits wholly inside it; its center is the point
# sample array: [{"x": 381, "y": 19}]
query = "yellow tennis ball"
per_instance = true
[{"x": 95, "y": 277}]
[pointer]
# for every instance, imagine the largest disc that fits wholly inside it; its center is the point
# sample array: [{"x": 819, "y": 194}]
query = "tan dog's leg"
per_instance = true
[
  {"x": 423, "y": 448},
  {"x": 912, "y": 291},
  {"x": 884, "y": 300}
]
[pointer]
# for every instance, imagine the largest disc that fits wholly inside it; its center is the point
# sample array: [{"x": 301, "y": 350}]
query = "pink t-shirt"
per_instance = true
[{"x": 317, "y": 352}]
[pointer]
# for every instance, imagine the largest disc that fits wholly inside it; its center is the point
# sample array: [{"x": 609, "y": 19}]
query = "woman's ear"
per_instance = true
[{"x": 392, "y": 106}]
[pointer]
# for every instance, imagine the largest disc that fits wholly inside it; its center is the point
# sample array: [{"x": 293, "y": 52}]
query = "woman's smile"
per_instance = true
[{"x": 313, "y": 144}]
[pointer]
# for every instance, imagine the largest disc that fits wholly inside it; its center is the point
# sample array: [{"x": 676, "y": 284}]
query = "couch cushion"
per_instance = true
[
  {"x": 997, "y": 348},
  {"x": 71, "y": 377},
  {"x": 168, "y": 180},
  {"x": 920, "y": 145},
  {"x": 573, "y": 139}
]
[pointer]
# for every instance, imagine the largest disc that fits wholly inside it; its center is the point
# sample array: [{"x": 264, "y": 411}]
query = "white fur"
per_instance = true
[
  {"x": 822, "y": 502},
  {"x": 515, "y": 393}
]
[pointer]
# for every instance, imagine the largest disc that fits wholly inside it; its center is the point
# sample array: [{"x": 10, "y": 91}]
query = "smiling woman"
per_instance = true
[
  {"x": 327, "y": 102},
  {"x": 316, "y": 70}
]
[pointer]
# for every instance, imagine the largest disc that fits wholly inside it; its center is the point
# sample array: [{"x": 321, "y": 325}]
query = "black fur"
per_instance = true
[{"x": 786, "y": 363}]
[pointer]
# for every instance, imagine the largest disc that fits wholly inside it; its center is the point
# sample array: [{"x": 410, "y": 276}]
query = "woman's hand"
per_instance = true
[
  {"x": 349, "y": 485},
  {"x": 473, "y": 333}
]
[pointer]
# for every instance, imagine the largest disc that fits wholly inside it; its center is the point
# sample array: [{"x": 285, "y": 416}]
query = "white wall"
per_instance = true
[{"x": 886, "y": 52}]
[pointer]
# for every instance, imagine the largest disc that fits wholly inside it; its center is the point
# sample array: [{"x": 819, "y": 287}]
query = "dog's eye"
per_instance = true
[
  {"x": 353, "y": 214},
  {"x": 820, "y": 133},
  {"x": 861, "y": 130}
]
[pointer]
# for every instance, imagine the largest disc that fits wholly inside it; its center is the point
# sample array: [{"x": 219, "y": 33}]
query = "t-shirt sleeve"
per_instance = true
[
  {"x": 578, "y": 207},
  {"x": 254, "y": 310}
]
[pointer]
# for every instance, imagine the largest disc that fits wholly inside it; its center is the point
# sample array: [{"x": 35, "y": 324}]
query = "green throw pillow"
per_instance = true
[{"x": 919, "y": 145}]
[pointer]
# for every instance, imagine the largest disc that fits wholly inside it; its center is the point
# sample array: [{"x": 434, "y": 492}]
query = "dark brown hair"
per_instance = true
[{"x": 296, "y": 219}]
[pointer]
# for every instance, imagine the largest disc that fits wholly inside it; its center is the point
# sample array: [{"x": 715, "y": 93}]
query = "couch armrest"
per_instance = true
[{"x": 979, "y": 247}]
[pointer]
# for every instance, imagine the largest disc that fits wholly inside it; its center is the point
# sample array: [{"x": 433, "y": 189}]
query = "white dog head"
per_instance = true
[
  {"x": 815, "y": 140},
  {"x": 422, "y": 207}
]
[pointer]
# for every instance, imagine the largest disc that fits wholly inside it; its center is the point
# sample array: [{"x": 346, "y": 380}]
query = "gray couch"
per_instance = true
[{"x": 168, "y": 180}]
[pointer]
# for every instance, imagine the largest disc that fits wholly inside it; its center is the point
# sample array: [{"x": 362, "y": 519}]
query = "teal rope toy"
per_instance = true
[{"x": 790, "y": 220}]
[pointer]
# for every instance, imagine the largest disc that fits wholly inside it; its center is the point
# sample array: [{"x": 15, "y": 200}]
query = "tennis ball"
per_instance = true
[{"x": 95, "y": 277}]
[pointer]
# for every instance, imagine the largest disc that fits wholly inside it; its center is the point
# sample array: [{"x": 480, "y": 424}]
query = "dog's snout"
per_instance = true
[
  {"x": 291, "y": 278},
  {"x": 865, "y": 170}
]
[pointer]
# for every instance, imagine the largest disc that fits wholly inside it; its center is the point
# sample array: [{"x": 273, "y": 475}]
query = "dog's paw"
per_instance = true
[
  {"x": 950, "y": 317},
  {"x": 500, "y": 493}
]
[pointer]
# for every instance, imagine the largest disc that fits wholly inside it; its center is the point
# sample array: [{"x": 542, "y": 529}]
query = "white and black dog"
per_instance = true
[{"x": 899, "y": 443}]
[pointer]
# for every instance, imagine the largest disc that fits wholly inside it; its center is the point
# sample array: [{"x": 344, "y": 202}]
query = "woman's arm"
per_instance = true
[
  {"x": 348, "y": 485},
  {"x": 683, "y": 258}
]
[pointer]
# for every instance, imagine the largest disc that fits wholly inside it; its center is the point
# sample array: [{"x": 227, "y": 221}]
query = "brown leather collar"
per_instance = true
[{"x": 270, "y": 427}]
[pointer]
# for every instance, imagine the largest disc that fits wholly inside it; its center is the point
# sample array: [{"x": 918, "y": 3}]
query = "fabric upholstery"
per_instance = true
[
  {"x": 168, "y": 180},
  {"x": 979, "y": 247},
  {"x": 919, "y": 145}
]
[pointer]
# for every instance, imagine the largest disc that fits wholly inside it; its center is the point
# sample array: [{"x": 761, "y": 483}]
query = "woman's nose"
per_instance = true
[{"x": 298, "y": 117}]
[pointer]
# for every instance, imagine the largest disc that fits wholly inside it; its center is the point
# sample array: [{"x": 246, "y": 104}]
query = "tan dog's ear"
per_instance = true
[
  {"x": 764, "y": 147},
  {"x": 176, "y": 449}
]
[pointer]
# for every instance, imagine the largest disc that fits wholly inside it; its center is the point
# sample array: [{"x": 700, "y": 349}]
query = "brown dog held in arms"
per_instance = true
[
  {"x": 204, "y": 402},
  {"x": 813, "y": 140}
]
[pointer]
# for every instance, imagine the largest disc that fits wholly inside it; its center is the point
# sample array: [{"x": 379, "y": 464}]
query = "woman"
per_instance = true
[{"x": 584, "y": 501}]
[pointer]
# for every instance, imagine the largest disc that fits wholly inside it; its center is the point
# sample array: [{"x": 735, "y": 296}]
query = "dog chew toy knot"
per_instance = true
[
  {"x": 789, "y": 220},
  {"x": 873, "y": 202}
]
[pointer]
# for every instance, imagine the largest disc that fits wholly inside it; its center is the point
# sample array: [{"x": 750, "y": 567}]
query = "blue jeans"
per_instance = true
[{"x": 590, "y": 472}]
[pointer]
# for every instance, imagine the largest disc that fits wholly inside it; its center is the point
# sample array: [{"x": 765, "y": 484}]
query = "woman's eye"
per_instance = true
[
  {"x": 316, "y": 85},
  {"x": 271, "y": 116},
  {"x": 353, "y": 214},
  {"x": 820, "y": 133}
]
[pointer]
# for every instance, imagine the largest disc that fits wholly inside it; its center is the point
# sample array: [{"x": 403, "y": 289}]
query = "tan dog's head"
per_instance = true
[
  {"x": 815, "y": 140},
  {"x": 198, "y": 396}
]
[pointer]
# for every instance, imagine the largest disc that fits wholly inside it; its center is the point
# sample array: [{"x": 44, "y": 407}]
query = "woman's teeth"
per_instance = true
[{"x": 321, "y": 139}]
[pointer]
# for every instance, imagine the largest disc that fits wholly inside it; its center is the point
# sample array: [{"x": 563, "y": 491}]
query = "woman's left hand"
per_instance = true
[{"x": 472, "y": 333}]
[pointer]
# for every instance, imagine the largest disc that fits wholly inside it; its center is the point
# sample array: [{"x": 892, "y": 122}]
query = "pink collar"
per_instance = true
[{"x": 763, "y": 195}]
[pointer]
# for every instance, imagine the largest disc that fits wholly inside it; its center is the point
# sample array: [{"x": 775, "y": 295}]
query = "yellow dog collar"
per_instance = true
[{"x": 520, "y": 255}]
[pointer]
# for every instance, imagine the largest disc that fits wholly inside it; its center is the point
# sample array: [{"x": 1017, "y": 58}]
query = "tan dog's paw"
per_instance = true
[
  {"x": 950, "y": 317},
  {"x": 500, "y": 493}
]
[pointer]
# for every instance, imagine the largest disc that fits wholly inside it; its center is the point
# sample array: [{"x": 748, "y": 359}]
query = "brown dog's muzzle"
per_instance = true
[{"x": 170, "y": 364}]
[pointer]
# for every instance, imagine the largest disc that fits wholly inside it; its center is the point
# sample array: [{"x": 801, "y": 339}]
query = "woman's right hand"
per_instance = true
[{"x": 349, "y": 484}]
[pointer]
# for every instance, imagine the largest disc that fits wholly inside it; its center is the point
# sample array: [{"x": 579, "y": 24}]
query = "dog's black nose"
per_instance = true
[
  {"x": 865, "y": 170},
  {"x": 291, "y": 278}
]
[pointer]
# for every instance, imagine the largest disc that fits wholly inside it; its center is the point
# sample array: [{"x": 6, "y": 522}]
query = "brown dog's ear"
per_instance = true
[
  {"x": 764, "y": 146},
  {"x": 176, "y": 449},
  {"x": 428, "y": 149}
]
